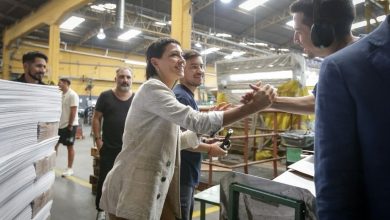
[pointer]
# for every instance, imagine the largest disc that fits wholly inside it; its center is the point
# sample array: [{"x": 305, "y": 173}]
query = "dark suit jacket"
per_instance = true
[{"x": 352, "y": 143}]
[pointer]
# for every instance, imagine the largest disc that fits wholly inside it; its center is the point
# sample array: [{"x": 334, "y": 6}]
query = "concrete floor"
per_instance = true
[{"x": 73, "y": 199}]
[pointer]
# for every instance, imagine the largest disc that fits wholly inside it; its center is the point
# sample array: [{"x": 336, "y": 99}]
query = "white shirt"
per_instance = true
[{"x": 69, "y": 99}]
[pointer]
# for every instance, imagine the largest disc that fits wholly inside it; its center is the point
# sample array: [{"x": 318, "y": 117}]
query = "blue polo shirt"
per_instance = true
[{"x": 190, "y": 161}]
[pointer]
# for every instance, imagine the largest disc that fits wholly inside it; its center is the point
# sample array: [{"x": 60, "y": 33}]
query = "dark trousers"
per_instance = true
[
  {"x": 187, "y": 201},
  {"x": 107, "y": 159}
]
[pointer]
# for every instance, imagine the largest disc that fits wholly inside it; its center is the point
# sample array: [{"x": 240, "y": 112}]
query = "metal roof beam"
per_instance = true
[
  {"x": 201, "y": 4},
  {"x": 49, "y": 13},
  {"x": 266, "y": 23}
]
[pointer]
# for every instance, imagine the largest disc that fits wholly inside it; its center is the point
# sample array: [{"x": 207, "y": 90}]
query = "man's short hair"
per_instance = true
[
  {"x": 189, "y": 54},
  {"x": 65, "y": 80},
  {"x": 31, "y": 55},
  {"x": 122, "y": 69},
  {"x": 339, "y": 13}
]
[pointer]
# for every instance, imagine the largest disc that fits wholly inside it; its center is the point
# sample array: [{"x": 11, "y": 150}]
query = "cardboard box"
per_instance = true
[
  {"x": 39, "y": 202},
  {"x": 47, "y": 130},
  {"x": 45, "y": 164}
]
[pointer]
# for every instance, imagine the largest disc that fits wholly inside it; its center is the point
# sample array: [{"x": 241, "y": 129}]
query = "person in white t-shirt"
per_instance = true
[{"x": 68, "y": 122}]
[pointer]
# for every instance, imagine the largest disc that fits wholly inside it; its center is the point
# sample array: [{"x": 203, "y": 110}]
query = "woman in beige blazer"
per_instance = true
[{"x": 148, "y": 165}]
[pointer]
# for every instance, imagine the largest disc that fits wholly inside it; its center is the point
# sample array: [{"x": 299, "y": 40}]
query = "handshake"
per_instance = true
[{"x": 261, "y": 97}]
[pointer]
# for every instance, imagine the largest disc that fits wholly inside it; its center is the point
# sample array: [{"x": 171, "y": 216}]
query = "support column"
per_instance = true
[
  {"x": 6, "y": 62},
  {"x": 54, "y": 53},
  {"x": 181, "y": 22}
]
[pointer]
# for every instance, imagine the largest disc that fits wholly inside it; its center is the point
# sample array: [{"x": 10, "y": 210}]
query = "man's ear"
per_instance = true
[{"x": 25, "y": 66}]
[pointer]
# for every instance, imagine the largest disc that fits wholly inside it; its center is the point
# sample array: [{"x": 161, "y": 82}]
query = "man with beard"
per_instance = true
[
  {"x": 339, "y": 14},
  {"x": 34, "y": 65},
  {"x": 191, "y": 160},
  {"x": 112, "y": 106}
]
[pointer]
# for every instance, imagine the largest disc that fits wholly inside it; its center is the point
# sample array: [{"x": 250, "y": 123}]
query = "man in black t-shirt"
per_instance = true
[{"x": 112, "y": 106}]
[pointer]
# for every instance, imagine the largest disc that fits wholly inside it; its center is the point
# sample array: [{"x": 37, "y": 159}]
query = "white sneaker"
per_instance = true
[
  {"x": 101, "y": 215},
  {"x": 67, "y": 172}
]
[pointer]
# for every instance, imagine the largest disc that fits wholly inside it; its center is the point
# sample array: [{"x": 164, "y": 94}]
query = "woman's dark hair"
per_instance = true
[
  {"x": 339, "y": 13},
  {"x": 156, "y": 50}
]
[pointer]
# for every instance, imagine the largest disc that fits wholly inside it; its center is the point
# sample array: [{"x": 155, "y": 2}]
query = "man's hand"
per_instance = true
[
  {"x": 215, "y": 150},
  {"x": 221, "y": 107},
  {"x": 262, "y": 96},
  {"x": 99, "y": 144}
]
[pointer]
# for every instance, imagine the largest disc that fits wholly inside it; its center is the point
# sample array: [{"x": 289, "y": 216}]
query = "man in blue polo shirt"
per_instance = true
[{"x": 190, "y": 160}]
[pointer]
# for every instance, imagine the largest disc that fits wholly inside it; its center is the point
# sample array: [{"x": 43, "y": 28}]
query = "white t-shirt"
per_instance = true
[{"x": 69, "y": 99}]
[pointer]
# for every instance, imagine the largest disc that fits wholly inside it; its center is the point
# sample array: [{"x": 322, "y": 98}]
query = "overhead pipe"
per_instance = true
[{"x": 120, "y": 14}]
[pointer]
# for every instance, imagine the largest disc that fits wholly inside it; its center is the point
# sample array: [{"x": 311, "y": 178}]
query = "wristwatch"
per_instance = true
[{"x": 98, "y": 137}]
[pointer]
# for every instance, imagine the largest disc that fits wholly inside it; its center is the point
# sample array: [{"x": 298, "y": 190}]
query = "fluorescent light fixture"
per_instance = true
[
  {"x": 272, "y": 49},
  {"x": 234, "y": 54},
  {"x": 251, "y": 4},
  {"x": 284, "y": 50},
  {"x": 110, "y": 6},
  {"x": 228, "y": 57},
  {"x": 258, "y": 44},
  {"x": 134, "y": 62},
  {"x": 355, "y": 2},
  {"x": 101, "y": 35},
  {"x": 243, "y": 43},
  {"x": 160, "y": 23},
  {"x": 358, "y": 25},
  {"x": 210, "y": 50},
  {"x": 129, "y": 34},
  {"x": 364, "y": 23},
  {"x": 238, "y": 53},
  {"x": 198, "y": 45},
  {"x": 103, "y": 7},
  {"x": 223, "y": 35},
  {"x": 381, "y": 18},
  {"x": 99, "y": 7},
  {"x": 226, "y": 1},
  {"x": 290, "y": 23},
  {"x": 285, "y": 74},
  {"x": 72, "y": 22},
  {"x": 261, "y": 44}
]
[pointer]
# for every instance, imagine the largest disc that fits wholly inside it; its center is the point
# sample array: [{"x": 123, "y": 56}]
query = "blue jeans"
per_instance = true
[{"x": 187, "y": 201}]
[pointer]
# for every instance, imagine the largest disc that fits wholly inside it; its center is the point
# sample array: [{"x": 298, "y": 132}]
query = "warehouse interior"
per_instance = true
[{"x": 87, "y": 40}]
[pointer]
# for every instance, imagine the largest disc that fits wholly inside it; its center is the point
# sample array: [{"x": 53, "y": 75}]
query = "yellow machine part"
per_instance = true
[{"x": 291, "y": 88}]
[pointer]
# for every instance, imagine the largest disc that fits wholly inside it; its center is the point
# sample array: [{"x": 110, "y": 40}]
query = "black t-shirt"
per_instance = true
[
  {"x": 114, "y": 116},
  {"x": 23, "y": 80}
]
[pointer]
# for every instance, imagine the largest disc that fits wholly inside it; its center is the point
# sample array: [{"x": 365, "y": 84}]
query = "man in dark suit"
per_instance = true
[{"x": 352, "y": 128}]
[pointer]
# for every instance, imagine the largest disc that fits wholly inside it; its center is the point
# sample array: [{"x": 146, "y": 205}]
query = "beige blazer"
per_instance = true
[{"x": 149, "y": 163}]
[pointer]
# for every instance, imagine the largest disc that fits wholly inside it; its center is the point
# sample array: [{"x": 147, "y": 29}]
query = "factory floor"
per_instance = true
[{"x": 73, "y": 198}]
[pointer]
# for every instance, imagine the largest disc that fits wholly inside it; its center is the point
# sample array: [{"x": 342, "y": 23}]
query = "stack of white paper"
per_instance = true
[
  {"x": 23, "y": 157},
  {"x": 12, "y": 186},
  {"x": 18, "y": 203},
  {"x": 45, "y": 212},
  {"x": 30, "y": 102},
  {"x": 27, "y": 112},
  {"x": 24, "y": 214}
]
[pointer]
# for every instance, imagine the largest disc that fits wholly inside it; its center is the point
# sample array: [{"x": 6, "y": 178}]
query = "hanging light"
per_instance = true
[{"x": 101, "y": 35}]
